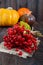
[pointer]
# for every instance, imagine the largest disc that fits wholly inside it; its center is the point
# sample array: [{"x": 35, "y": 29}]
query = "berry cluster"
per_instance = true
[{"x": 19, "y": 37}]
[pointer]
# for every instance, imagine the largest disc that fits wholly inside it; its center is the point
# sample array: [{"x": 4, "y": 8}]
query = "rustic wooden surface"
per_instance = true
[{"x": 37, "y": 8}]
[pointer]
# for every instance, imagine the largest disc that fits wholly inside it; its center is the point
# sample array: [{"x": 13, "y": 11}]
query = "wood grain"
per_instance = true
[{"x": 37, "y": 8}]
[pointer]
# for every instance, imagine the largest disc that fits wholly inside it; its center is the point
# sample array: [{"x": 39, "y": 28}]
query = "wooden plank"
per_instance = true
[
  {"x": 21, "y": 3},
  {"x": 2, "y": 3},
  {"x": 13, "y": 4},
  {"x": 8, "y": 3},
  {"x": 40, "y": 10},
  {"x": 31, "y": 4}
]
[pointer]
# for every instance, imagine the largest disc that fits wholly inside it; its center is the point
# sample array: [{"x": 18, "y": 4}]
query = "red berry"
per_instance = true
[
  {"x": 8, "y": 45},
  {"x": 29, "y": 50},
  {"x": 30, "y": 36},
  {"x": 28, "y": 31},
  {"x": 26, "y": 49},
  {"x": 16, "y": 43},
  {"x": 12, "y": 41},
  {"x": 14, "y": 31},
  {"x": 19, "y": 37},
  {"x": 5, "y": 44},
  {"x": 9, "y": 48},
  {"x": 15, "y": 26},
  {"x": 20, "y": 53},
  {"x": 34, "y": 48},
  {"x": 6, "y": 39},
  {"x": 29, "y": 42},
  {"x": 26, "y": 43},
  {"x": 9, "y": 29},
  {"x": 14, "y": 38},
  {"x": 34, "y": 41},
  {"x": 4, "y": 36},
  {"x": 10, "y": 32},
  {"x": 16, "y": 49},
  {"x": 23, "y": 39}
]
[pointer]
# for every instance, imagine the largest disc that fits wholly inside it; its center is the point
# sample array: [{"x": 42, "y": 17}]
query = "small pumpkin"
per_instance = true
[
  {"x": 8, "y": 17},
  {"x": 30, "y": 19},
  {"x": 23, "y": 11}
]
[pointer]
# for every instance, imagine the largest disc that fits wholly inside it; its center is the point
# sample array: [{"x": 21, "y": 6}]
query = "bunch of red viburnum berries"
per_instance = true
[{"x": 20, "y": 38}]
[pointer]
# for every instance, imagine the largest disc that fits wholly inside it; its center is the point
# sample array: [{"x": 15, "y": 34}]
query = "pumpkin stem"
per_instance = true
[{"x": 10, "y": 8}]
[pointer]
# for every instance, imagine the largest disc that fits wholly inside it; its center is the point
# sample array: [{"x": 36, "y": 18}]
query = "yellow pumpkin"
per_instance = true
[{"x": 8, "y": 17}]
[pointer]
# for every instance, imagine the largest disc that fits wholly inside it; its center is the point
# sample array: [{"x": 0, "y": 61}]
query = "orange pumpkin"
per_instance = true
[
  {"x": 23, "y": 11},
  {"x": 8, "y": 17}
]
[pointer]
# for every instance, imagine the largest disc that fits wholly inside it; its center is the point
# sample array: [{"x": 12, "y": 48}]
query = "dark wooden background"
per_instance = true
[
  {"x": 35, "y": 5},
  {"x": 37, "y": 8}
]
